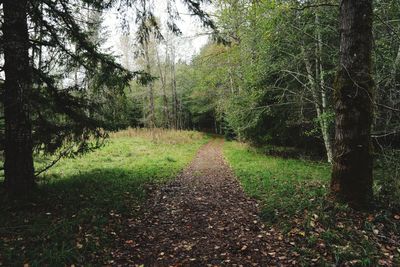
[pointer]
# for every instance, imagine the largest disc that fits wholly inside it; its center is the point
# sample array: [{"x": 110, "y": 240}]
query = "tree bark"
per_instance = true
[
  {"x": 18, "y": 163},
  {"x": 352, "y": 169}
]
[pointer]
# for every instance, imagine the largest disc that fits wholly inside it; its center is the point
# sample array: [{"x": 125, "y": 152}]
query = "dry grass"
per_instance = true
[{"x": 161, "y": 136}]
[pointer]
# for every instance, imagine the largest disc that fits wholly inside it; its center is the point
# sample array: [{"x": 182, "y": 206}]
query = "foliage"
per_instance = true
[
  {"x": 259, "y": 87},
  {"x": 77, "y": 213},
  {"x": 273, "y": 83},
  {"x": 387, "y": 175},
  {"x": 65, "y": 113},
  {"x": 202, "y": 90},
  {"x": 74, "y": 90}
]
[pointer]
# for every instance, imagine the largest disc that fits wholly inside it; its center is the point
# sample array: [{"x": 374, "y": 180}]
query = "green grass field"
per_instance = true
[
  {"x": 294, "y": 199},
  {"x": 75, "y": 214},
  {"x": 284, "y": 186},
  {"x": 81, "y": 206}
]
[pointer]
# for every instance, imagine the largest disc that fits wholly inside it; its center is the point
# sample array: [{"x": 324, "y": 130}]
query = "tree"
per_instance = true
[
  {"x": 18, "y": 165},
  {"x": 162, "y": 72},
  {"x": 43, "y": 111},
  {"x": 352, "y": 169}
]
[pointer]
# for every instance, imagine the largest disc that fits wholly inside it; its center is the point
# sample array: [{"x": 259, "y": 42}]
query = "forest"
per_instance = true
[{"x": 200, "y": 133}]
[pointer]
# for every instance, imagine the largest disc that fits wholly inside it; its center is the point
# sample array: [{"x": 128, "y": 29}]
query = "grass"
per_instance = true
[
  {"x": 76, "y": 214},
  {"x": 275, "y": 180},
  {"x": 293, "y": 194}
]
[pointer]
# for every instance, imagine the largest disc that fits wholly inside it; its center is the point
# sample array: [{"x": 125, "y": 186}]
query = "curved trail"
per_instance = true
[{"x": 203, "y": 218}]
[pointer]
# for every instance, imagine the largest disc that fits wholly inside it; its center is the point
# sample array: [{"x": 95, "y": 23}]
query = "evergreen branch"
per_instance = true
[{"x": 54, "y": 162}]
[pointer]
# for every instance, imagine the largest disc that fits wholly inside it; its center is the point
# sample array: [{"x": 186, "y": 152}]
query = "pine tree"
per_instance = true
[
  {"x": 42, "y": 110},
  {"x": 18, "y": 165}
]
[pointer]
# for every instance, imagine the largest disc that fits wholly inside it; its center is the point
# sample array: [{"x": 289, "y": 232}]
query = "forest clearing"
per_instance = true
[
  {"x": 138, "y": 201},
  {"x": 199, "y": 133}
]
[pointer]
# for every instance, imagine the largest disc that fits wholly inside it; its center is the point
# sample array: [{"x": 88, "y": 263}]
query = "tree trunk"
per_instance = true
[
  {"x": 151, "y": 117},
  {"x": 163, "y": 89},
  {"x": 352, "y": 169},
  {"x": 393, "y": 72},
  {"x": 175, "y": 100},
  {"x": 18, "y": 164},
  {"x": 319, "y": 99},
  {"x": 391, "y": 92},
  {"x": 324, "y": 120}
]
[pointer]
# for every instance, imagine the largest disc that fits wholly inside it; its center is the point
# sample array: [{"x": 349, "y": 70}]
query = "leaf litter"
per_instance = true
[{"x": 203, "y": 218}]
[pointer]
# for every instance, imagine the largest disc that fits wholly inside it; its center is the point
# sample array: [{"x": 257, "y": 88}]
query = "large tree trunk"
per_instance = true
[
  {"x": 18, "y": 164},
  {"x": 352, "y": 168}
]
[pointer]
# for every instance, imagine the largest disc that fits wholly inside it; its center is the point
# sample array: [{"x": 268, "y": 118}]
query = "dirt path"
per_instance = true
[{"x": 203, "y": 218}]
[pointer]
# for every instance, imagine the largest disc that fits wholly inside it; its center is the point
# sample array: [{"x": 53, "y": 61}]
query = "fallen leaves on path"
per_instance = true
[{"x": 203, "y": 218}]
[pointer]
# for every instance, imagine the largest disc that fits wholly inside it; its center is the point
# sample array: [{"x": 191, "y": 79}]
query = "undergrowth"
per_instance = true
[
  {"x": 75, "y": 216},
  {"x": 293, "y": 194}
]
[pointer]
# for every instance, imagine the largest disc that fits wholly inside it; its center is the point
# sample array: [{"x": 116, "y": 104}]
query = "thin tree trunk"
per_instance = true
[
  {"x": 175, "y": 101},
  {"x": 320, "y": 109},
  {"x": 40, "y": 53},
  {"x": 18, "y": 164},
  {"x": 393, "y": 72},
  {"x": 164, "y": 94},
  {"x": 390, "y": 86},
  {"x": 180, "y": 117},
  {"x": 324, "y": 120},
  {"x": 215, "y": 124},
  {"x": 230, "y": 73},
  {"x": 352, "y": 169},
  {"x": 37, "y": 53},
  {"x": 151, "y": 118}
]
